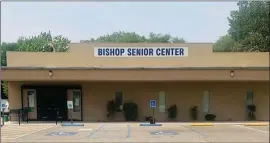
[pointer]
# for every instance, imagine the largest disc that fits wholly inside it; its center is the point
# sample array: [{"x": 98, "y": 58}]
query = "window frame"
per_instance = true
[
  {"x": 206, "y": 108},
  {"x": 75, "y": 109},
  {"x": 120, "y": 105},
  {"x": 162, "y": 108},
  {"x": 250, "y": 99},
  {"x": 34, "y": 97}
]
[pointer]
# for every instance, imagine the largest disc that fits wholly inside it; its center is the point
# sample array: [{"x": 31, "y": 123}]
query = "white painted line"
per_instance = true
[
  {"x": 252, "y": 129},
  {"x": 33, "y": 132},
  {"x": 85, "y": 129}
]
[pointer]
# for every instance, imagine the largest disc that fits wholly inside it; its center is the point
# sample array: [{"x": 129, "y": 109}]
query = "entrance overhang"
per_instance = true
[{"x": 135, "y": 74}]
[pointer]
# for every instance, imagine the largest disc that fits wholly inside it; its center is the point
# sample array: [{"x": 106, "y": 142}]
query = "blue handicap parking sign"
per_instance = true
[{"x": 153, "y": 103}]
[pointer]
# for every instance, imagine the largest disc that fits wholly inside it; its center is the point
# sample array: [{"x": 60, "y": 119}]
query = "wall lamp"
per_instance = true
[
  {"x": 232, "y": 73},
  {"x": 50, "y": 73}
]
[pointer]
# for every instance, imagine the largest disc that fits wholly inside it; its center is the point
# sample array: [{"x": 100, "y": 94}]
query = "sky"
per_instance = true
[{"x": 194, "y": 21}]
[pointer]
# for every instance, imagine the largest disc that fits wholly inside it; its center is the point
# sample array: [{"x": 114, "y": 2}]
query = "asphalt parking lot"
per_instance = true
[{"x": 113, "y": 132}]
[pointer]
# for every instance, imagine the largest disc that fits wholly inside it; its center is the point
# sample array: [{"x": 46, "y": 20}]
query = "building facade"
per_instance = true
[{"x": 191, "y": 75}]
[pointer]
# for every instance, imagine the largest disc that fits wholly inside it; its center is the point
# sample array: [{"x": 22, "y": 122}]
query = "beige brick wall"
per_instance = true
[
  {"x": 227, "y": 99},
  {"x": 82, "y": 55}
]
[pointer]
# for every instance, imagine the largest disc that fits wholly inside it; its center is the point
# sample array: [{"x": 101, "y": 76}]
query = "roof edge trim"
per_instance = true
[{"x": 134, "y": 68}]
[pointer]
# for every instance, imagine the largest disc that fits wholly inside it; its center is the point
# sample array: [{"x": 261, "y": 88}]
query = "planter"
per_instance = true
[
  {"x": 6, "y": 118},
  {"x": 172, "y": 112},
  {"x": 130, "y": 111},
  {"x": 210, "y": 117},
  {"x": 194, "y": 113},
  {"x": 152, "y": 121},
  {"x": 147, "y": 118}
]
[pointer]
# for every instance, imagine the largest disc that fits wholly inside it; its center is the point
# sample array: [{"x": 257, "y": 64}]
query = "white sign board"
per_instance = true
[
  {"x": 141, "y": 51},
  {"x": 70, "y": 104},
  {"x": 153, "y": 104}
]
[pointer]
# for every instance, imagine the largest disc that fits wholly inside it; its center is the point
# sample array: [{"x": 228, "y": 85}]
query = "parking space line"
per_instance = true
[
  {"x": 252, "y": 129},
  {"x": 32, "y": 132},
  {"x": 92, "y": 133},
  {"x": 85, "y": 129},
  {"x": 200, "y": 133},
  {"x": 129, "y": 129}
]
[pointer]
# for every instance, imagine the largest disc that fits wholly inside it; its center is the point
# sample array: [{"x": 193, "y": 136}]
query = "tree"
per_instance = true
[
  {"x": 159, "y": 38},
  {"x": 60, "y": 43},
  {"x": 132, "y": 37},
  {"x": 4, "y": 48},
  {"x": 119, "y": 37},
  {"x": 178, "y": 40},
  {"x": 7, "y": 47},
  {"x": 249, "y": 26},
  {"x": 40, "y": 43},
  {"x": 224, "y": 44}
]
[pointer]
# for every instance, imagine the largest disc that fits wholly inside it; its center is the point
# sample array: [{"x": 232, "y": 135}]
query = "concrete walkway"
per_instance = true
[{"x": 137, "y": 123}]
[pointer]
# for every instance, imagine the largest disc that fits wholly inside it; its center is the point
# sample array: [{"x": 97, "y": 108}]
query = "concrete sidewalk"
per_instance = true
[{"x": 137, "y": 123}]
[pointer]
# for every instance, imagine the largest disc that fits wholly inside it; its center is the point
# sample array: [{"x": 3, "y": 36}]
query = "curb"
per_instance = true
[
  {"x": 74, "y": 124},
  {"x": 202, "y": 124},
  {"x": 150, "y": 125},
  {"x": 256, "y": 124}
]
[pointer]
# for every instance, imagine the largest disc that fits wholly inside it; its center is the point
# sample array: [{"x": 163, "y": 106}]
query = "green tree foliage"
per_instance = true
[
  {"x": 61, "y": 43},
  {"x": 224, "y": 44},
  {"x": 39, "y": 43},
  {"x": 249, "y": 28},
  {"x": 4, "y": 48},
  {"x": 7, "y": 47},
  {"x": 132, "y": 37},
  {"x": 4, "y": 84}
]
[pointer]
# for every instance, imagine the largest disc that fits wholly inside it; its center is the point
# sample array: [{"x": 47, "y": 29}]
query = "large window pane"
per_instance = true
[
  {"x": 31, "y": 100},
  {"x": 119, "y": 99},
  {"x": 162, "y": 101},
  {"x": 76, "y": 100},
  {"x": 206, "y": 101},
  {"x": 249, "y": 98}
]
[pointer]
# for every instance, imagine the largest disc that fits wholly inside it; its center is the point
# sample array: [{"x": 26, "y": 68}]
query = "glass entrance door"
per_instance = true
[{"x": 75, "y": 97}]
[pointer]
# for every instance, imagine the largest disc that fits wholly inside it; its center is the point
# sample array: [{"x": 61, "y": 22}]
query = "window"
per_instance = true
[
  {"x": 76, "y": 100},
  {"x": 119, "y": 99},
  {"x": 206, "y": 101},
  {"x": 162, "y": 101},
  {"x": 31, "y": 99},
  {"x": 249, "y": 98}
]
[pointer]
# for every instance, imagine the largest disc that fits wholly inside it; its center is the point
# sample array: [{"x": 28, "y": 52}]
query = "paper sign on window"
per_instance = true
[
  {"x": 77, "y": 102},
  {"x": 31, "y": 98}
]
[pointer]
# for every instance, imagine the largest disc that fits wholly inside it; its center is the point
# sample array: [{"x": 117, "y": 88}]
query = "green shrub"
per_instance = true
[
  {"x": 194, "y": 112},
  {"x": 130, "y": 111},
  {"x": 251, "y": 108},
  {"x": 210, "y": 117},
  {"x": 147, "y": 118},
  {"x": 251, "y": 111},
  {"x": 172, "y": 112},
  {"x": 111, "y": 108}
]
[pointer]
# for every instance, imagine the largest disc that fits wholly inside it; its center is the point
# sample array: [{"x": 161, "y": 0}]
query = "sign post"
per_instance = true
[
  {"x": 3, "y": 115},
  {"x": 70, "y": 107},
  {"x": 153, "y": 105}
]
